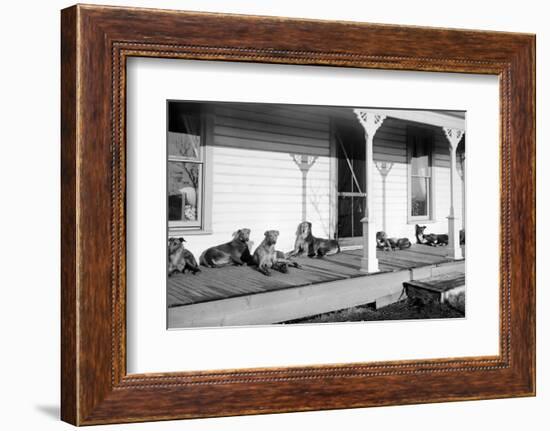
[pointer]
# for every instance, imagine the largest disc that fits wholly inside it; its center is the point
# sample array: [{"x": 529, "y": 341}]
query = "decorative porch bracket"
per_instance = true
[
  {"x": 454, "y": 136},
  {"x": 304, "y": 163},
  {"x": 371, "y": 122}
]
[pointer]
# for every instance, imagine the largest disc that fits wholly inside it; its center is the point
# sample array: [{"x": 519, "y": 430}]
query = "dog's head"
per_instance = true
[
  {"x": 304, "y": 229},
  {"x": 271, "y": 236},
  {"x": 242, "y": 235},
  {"x": 420, "y": 229},
  {"x": 381, "y": 236},
  {"x": 175, "y": 244}
]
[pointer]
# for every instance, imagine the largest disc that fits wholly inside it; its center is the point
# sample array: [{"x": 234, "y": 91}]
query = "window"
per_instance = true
[
  {"x": 185, "y": 167},
  {"x": 420, "y": 143}
]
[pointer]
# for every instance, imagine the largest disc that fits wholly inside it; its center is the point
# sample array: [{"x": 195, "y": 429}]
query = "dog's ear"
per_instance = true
[
  {"x": 181, "y": 240},
  {"x": 309, "y": 225}
]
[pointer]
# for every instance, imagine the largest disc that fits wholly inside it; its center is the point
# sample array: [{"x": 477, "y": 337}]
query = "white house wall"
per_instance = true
[{"x": 256, "y": 183}]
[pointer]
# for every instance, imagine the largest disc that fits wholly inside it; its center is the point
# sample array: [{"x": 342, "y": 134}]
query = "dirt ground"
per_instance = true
[{"x": 406, "y": 309}]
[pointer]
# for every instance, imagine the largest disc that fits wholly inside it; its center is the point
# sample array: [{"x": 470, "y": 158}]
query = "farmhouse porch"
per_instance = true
[
  {"x": 371, "y": 120},
  {"x": 242, "y": 295},
  {"x": 349, "y": 171}
]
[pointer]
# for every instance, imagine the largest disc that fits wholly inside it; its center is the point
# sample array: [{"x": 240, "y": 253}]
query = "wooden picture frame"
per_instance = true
[{"x": 95, "y": 43}]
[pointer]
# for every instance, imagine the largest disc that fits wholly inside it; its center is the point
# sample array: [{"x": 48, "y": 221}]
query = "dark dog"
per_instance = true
[
  {"x": 385, "y": 243},
  {"x": 432, "y": 239},
  {"x": 312, "y": 246},
  {"x": 234, "y": 252},
  {"x": 179, "y": 258},
  {"x": 267, "y": 258}
]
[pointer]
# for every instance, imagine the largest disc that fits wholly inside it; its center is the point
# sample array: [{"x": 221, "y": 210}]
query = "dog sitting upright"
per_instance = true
[
  {"x": 234, "y": 252},
  {"x": 385, "y": 243},
  {"x": 179, "y": 258},
  {"x": 266, "y": 257},
  {"x": 433, "y": 239},
  {"x": 310, "y": 245}
]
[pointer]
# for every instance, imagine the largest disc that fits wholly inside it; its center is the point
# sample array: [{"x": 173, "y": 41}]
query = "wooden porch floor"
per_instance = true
[{"x": 221, "y": 283}]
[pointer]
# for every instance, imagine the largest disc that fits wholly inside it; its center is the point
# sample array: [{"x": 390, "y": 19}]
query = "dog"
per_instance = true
[
  {"x": 385, "y": 243},
  {"x": 432, "y": 239},
  {"x": 234, "y": 252},
  {"x": 179, "y": 258},
  {"x": 310, "y": 245},
  {"x": 266, "y": 257}
]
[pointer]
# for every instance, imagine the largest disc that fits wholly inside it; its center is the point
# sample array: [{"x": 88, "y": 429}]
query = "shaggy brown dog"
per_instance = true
[
  {"x": 385, "y": 243},
  {"x": 433, "y": 239},
  {"x": 179, "y": 258},
  {"x": 312, "y": 246},
  {"x": 267, "y": 258},
  {"x": 234, "y": 252}
]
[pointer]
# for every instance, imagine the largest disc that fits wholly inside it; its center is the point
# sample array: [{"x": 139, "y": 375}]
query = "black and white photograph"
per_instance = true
[{"x": 292, "y": 214}]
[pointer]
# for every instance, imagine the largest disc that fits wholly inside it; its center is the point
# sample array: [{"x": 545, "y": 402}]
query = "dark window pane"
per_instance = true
[
  {"x": 358, "y": 213},
  {"x": 419, "y": 195},
  {"x": 420, "y": 160},
  {"x": 345, "y": 217},
  {"x": 350, "y": 213},
  {"x": 184, "y": 181},
  {"x": 345, "y": 180},
  {"x": 360, "y": 177}
]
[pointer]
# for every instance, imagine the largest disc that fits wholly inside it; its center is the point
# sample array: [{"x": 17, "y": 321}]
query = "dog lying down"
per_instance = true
[
  {"x": 234, "y": 252},
  {"x": 432, "y": 239},
  {"x": 385, "y": 243},
  {"x": 267, "y": 258},
  {"x": 310, "y": 245},
  {"x": 179, "y": 258}
]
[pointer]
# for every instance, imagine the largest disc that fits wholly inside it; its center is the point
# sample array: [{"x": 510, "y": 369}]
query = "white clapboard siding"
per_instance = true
[
  {"x": 257, "y": 184},
  {"x": 276, "y": 116}
]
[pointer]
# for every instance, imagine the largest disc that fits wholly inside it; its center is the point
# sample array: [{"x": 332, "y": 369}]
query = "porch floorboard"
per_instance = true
[{"x": 220, "y": 283}]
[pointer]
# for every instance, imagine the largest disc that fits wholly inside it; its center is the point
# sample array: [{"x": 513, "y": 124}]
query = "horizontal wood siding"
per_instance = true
[{"x": 257, "y": 184}]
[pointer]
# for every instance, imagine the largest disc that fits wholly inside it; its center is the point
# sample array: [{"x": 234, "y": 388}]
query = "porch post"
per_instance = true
[
  {"x": 370, "y": 122},
  {"x": 454, "y": 136}
]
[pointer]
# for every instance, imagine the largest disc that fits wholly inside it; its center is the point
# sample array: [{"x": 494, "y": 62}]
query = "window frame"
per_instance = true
[
  {"x": 429, "y": 134},
  {"x": 203, "y": 225}
]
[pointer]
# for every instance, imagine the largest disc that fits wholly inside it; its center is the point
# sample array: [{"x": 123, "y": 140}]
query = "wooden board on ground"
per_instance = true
[{"x": 437, "y": 288}]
